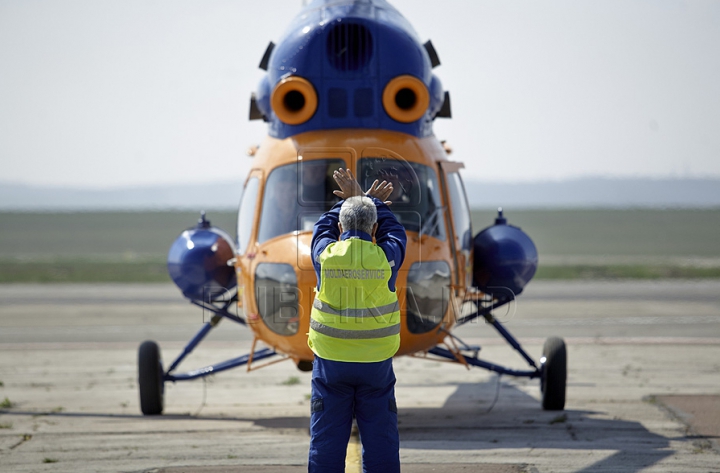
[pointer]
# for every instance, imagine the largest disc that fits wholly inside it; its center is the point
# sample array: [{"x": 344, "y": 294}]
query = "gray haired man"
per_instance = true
[{"x": 355, "y": 328}]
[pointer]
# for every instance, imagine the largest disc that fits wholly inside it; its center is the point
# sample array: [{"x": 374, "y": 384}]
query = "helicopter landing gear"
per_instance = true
[
  {"x": 150, "y": 378},
  {"x": 553, "y": 366}
]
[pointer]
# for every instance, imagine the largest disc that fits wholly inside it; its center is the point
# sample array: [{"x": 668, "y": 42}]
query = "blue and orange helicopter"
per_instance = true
[{"x": 351, "y": 86}]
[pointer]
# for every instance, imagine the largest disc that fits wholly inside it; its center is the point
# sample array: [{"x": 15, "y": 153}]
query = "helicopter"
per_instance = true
[{"x": 351, "y": 86}]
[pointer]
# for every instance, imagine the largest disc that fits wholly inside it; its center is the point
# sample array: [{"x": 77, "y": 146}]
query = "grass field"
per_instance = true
[
  {"x": 132, "y": 246},
  {"x": 648, "y": 233}
]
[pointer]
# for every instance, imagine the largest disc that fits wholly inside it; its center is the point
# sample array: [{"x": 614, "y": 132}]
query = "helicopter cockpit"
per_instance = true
[
  {"x": 416, "y": 193},
  {"x": 297, "y": 194}
]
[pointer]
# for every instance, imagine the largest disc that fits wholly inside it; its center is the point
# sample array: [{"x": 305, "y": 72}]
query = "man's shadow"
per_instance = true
[{"x": 472, "y": 419}]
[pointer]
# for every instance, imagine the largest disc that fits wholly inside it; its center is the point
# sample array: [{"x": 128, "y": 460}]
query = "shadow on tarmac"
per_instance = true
[
  {"x": 469, "y": 421},
  {"x": 268, "y": 423}
]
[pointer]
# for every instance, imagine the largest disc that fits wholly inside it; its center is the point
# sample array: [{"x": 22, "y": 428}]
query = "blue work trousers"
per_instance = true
[{"x": 367, "y": 390}]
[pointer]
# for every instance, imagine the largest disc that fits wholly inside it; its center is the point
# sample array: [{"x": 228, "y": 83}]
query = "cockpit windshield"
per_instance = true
[
  {"x": 296, "y": 195},
  {"x": 416, "y": 194}
]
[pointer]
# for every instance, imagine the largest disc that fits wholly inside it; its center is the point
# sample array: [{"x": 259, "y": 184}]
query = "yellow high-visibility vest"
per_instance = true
[{"x": 355, "y": 317}]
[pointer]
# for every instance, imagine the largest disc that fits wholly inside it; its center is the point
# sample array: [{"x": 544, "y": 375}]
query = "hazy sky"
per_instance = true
[{"x": 134, "y": 92}]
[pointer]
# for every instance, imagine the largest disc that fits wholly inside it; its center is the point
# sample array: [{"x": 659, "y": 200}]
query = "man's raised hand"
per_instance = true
[
  {"x": 381, "y": 191},
  {"x": 349, "y": 186}
]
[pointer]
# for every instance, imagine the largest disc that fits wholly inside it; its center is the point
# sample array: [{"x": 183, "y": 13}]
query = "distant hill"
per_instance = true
[
  {"x": 586, "y": 192},
  {"x": 596, "y": 192},
  {"x": 221, "y": 195}
]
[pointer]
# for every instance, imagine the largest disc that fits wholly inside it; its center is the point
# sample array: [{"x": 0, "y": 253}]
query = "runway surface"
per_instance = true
[{"x": 644, "y": 358}]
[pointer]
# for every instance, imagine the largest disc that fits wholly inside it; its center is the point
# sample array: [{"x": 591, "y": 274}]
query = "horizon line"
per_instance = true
[{"x": 125, "y": 187}]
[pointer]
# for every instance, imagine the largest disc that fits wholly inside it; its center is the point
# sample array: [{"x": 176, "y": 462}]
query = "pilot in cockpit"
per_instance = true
[{"x": 401, "y": 181}]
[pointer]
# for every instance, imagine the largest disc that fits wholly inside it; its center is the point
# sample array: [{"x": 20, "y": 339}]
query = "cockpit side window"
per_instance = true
[
  {"x": 416, "y": 193},
  {"x": 246, "y": 214},
  {"x": 461, "y": 212},
  {"x": 296, "y": 195}
]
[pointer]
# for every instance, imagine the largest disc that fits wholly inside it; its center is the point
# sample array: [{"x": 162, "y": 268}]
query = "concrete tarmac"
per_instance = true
[{"x": 643, "y": 385}]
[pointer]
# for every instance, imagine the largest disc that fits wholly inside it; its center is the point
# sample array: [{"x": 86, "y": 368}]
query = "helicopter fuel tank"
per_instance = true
[
  {"x": 197, "y": 262},
  {"x": 505, "y": 258}
]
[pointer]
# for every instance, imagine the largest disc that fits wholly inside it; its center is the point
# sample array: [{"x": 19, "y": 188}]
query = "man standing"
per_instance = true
[{"x": 355, "y": 329}]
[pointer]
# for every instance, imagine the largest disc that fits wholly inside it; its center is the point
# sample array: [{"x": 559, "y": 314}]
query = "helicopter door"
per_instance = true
[{"x": 461, "y": 222}]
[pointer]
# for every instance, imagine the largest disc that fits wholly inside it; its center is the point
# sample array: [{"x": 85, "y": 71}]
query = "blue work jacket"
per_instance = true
[{"x": 390, "y": 237}]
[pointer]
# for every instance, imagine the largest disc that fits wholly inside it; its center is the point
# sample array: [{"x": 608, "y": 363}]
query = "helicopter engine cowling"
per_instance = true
[
  {"x": 505, "y": 259},
  {"x": 197, "y": 262}
]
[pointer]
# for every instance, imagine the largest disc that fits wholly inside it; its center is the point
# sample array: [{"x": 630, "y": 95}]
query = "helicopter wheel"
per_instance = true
[
  {"x": 150, "y": 378},
  {"x": 554, "y": 374}
]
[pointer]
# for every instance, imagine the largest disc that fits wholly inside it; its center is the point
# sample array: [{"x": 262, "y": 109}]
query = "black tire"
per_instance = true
[
  {"x": 554, "y": 374},
  {"x": 150, "y": 378}
]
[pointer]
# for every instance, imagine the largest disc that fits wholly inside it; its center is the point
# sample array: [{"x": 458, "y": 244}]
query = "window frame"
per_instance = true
[{"x": 257, "y": 176}]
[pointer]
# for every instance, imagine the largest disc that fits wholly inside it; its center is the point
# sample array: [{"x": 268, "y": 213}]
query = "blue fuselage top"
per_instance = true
[
  {"x": 349, "y": 50},
  {"x": 390, "y": 237}
]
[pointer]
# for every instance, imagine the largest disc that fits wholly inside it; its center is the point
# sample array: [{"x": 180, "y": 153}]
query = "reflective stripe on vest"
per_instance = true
[
  {"x": 355, "y": 317},
  {"x": 354, "y": 334},
  {"x": 386, "y": 309}
]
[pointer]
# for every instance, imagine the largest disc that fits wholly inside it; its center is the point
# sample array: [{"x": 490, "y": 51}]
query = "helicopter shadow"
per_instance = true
[{"x": 473, "y": 418}]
